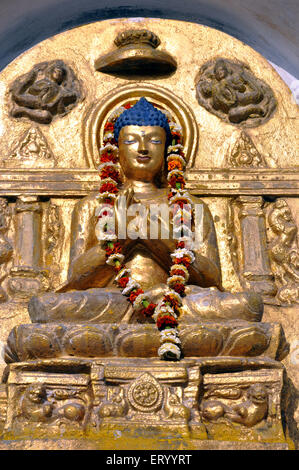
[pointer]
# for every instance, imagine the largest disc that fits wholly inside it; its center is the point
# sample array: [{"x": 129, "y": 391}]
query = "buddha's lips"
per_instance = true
[{"x": 143, "y": 158}]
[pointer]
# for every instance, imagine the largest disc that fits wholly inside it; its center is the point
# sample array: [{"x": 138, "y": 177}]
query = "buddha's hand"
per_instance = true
[{"x": 122, "y": 203}]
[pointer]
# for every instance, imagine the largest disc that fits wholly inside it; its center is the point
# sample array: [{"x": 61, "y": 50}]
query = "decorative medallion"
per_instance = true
[
  {"x": 233, "y": 93},
  {"x": 146, "y": 394},
  {"x": 50, "y": 89}
]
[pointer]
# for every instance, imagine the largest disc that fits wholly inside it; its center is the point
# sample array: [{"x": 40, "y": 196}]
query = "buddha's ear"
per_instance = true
[{"x": 161, "y": 178}]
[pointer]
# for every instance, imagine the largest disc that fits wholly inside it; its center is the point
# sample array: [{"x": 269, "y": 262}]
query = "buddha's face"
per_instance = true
[{"x": 142, "y": 151}]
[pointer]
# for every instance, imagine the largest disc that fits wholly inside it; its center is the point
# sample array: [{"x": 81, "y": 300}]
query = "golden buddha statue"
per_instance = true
[{"x": 89, "y": 294}]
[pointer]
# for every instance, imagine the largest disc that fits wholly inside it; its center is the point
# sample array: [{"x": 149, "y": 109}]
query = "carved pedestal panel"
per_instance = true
[{"x": 190, "y": 402}]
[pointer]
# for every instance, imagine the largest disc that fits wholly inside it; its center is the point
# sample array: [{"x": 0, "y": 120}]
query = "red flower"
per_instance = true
[
  {"x": 149, "y": 310},
  {"x": 180, "y": 245},
  {"x": 128, "y": 106},
  {"x": 135, "y": 294},
  {"x": 179, "y": 288},
  {"x": 109, "y": 187},
  {"x": 108, "y": 157},
  {"x": 123, "y": 281},
  {"x": 109, "y": 201},
  {"x": 109, "y": 126},
  {"x": 175, "y": 164},
  {"x": 166, "y": 320},
  {"x": 173, "y": 302},
  {"x": 110, "y": 172},
  {"x": 184, "y": 260},
  {"x": 177, "y": 179},
  {"x": 178, "y": 272},
  {"x": 116, "y": 249}
]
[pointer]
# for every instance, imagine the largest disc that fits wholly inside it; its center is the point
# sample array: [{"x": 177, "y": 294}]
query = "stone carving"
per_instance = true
[
  {"x": 27, "y": 274},
  {"x": 145, "y": 394},
  {"x": 248, "y": 412},
  {"x": 40, "y": 403},
  {"x": 26, "y": 342},
  {"x": 284, "y": 251},
  {"x": 245, "y": 154},
  {"x": 117, "y": 406},
  {"x": 174, "y": 408},
  {"x": 137, "y": 54},
  {"x": 6, "y": 248},
  {"x": 32, "y": 151},
  {"x": 50, "y": 89},
  {"x": 232, "y": 92},
  {"x": 34, "y": 404}
]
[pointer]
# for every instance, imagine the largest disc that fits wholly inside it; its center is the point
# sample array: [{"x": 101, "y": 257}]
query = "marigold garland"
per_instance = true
[{"x": 167, "y": 311}]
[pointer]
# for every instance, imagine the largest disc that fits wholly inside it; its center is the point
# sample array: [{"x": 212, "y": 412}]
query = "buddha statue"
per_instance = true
[{"x": 90, "y": 295}]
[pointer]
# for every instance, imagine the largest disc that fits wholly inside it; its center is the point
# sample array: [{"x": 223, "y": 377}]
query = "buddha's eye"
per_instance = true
[
  {"x": 129, "y": 141},
  {"x": 156, "y": 141}
]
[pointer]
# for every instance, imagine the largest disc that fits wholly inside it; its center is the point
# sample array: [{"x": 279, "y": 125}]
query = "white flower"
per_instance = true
[
  {"x": 103, "y": 165},
  {"x": 174, "y": 172},
  {"x": 115, "y": 256},
  {"x": 175, "y": 156},
  {"x": 107, "y": 147},
  {"x": 130, "y": 286},
  {"x": 116, "y": 113},
  {"x": 137, "y": 304},
  {"x": 182, "y": 268},
  {"x": 171, "y": 281},
  {"x": 105, "y": 195},
  {"x": 181, "y": 252},
  {"x": 173, "y": 148},
  {"x": 170, "y": 335},
  {"x": 122, "y": 273},
  {"x": 174, "y": 294},
  {"x": 167, "y": 350}
]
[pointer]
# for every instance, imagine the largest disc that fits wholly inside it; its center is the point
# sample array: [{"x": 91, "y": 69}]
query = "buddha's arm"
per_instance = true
[
  {"x": 207, "y": 263},
  {"x": 205, "y": 271},
  {"x": 87, "y": 266}
]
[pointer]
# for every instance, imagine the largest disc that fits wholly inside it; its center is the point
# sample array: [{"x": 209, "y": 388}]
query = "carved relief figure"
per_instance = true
[
  {"x": 284, "y": 253},
  {"x": 249, "y": 412},
  {"x": 50, "y": 89},
  {"x": 231, "y": 91},
  {"x": 34, "y": 404}
]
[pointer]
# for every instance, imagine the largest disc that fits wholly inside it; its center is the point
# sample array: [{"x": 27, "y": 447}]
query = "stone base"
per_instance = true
[
  {"x": 145, "y": 403},
  {"x": 54, "y": 340},
  {"x": 115, "y": 444}
]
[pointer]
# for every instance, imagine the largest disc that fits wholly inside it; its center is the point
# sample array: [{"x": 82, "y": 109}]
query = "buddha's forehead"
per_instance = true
[{"x": 141, "y": 130}]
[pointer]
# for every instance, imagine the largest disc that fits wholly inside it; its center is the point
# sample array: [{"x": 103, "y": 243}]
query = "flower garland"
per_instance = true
[{"x": 167, "y": 311}]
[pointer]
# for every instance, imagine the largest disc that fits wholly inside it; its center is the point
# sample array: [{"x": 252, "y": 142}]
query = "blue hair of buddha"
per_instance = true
[{"x": 142, "y": 113}]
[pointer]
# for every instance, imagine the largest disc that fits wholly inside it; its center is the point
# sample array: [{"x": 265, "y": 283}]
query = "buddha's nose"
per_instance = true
[{"x": 142, "y": 149}]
